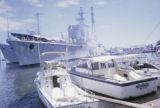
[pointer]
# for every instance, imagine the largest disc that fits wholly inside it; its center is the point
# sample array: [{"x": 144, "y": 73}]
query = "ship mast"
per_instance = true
[
  {"x": 93, "y": 24},
  {"x": 62, "y": 35},
  {"x": 81, "y": 17},
  {"x": 81, "y": 21},
  {"x": 38, "y": 30},
  {"x": 7, "y": 28},
  {"x": 92, "y": 20}
]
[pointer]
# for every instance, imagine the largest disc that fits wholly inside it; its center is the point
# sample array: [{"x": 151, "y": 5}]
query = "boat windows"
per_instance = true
[
  {"x": 95, "y": 66},
  {"x": 64, "y": 67},
  {"x": 83, "y": 65},
  {"x": 142, "y": 66},
  {"x": 54, "y": 67},
  {"x": 103, "y": 66},
  {"x": 146, "y": 65},
  {"x": 110, "y": 64}
]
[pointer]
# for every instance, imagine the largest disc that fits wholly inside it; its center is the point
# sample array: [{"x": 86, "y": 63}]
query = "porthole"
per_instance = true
[{"x": 31, "y": 46}]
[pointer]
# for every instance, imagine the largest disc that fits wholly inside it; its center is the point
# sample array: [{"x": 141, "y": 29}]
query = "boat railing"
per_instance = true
[
  {"x": 53, "y": 72},
  {"x": 49, "y": 72}
]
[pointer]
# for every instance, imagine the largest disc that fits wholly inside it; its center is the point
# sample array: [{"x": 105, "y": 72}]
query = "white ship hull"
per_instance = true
[
  {"x": 111, "y": 88},
  {"x": 8, "y": 53}
]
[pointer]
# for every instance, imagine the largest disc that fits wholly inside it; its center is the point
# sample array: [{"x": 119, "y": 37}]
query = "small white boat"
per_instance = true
[
  {"x": 56, "y": 90},
  {"x": 102, "y": 74}
]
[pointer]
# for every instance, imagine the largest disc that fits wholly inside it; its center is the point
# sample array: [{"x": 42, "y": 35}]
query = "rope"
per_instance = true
[
  {"x": 120, "y": 102},
  {"x": 150, "y": 34}
]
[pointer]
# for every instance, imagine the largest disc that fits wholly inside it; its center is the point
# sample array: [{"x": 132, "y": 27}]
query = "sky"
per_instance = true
[{"x": 119, "y": 23}]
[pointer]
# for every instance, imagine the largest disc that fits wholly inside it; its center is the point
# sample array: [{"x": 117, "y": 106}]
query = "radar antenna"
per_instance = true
[{"x": 92, "y": 20}]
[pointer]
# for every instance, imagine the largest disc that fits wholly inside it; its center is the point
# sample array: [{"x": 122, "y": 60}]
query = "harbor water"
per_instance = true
[{"x": 17, "y": 88}]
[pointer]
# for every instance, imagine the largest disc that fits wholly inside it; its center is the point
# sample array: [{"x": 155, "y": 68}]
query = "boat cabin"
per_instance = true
[{"x": 105, "y": 67}]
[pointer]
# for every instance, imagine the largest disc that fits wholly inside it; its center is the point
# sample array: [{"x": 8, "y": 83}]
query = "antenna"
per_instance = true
[
  {"x": 7, "y": 28},
  {"x": 150, "y": 34},
  {"x": 81, "y": 18},
  {"x": 62, "y": 35},
  {"x": 0, "y": 61},
  {"x": 38, "y": 31},
  {"x": 92, "y": 20},
  {"x": 81, "y": 24}
]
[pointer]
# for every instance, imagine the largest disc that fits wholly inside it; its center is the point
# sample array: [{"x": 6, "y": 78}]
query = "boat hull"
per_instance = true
[
  {"x": 48, "y": 104},
  {"x": 8, "y": 53},
  {"x": 113, "y": 89},
  {"x": 28, "y": 52}
]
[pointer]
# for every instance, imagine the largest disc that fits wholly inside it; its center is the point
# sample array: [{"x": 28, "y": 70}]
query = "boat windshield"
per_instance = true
[
  {"x": 142, "y": 66},
  {"x": 124, "y": 65},
  {"x": 134, "y": 64}
]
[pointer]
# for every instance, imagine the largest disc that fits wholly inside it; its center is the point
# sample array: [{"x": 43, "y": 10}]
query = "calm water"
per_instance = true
[{"x": 17, "y": 89}]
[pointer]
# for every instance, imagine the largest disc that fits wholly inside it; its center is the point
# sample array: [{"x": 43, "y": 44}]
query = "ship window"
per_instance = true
[
  {"x": 54, "y": 68},
  {"x": 142, "y": 66},
  {"x": 110, "y": 64},
  {"x": 95, "y": 66},
  {"x": 31, "y": 46},
  {"x": 55, "y": 81},
  {"x": 103, "y": 66},
  {"x": 84, "y": 65}
]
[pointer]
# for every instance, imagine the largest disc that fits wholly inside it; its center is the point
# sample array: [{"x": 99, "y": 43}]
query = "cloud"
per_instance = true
[
  {"x": 105, "y": 27},
  {"x": 60, "y": 15},
  {"x": 100, "y": 3},
  {"x": 67, "y": 3},
  {"x": 14, "y": 24},
  {"x": 37, "y": 3},
  {"x": 4, "y": 7}
]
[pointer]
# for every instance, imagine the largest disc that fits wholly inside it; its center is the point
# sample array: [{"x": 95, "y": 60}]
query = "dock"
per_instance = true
[
  {"x": 150, "y": 104},
  {"x": 120, "y": 102},
  {"x": 153, "y": 104}
]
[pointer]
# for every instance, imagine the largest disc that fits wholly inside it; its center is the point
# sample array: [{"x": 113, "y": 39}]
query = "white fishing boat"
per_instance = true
[
  {"x": 102, "y": 74},
  {"x": 56, "y": 90}
]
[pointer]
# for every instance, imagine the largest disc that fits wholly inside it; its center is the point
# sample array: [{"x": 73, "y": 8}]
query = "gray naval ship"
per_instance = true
[
  {"x": 8, "y": 53},
  {"x": 28, "y": 51}
]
